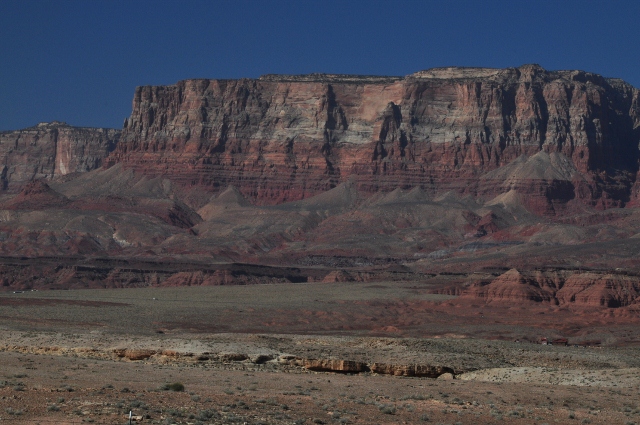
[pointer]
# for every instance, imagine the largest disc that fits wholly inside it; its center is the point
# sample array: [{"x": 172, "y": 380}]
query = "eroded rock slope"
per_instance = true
[{"x": 557, "y": 137}]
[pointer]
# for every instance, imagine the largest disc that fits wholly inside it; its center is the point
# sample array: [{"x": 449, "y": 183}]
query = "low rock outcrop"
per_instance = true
[
  {"x": 339, "y": 366},
  {"x": 561, "y": 287},
  {"x": 418, "y": 370},
  {"x": 134, "y": 354},
  {"x": 600, "y": 290},
  {"x": 513, "y": 286}
]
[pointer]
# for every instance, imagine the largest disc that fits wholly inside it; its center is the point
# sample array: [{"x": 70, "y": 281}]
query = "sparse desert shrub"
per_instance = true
[
  {"x": 388, "y": 409},
  {"x": 413, "y": 397},
  {"x": 175, "y": 413},
  {"x": 175, "y": 386},
  {"x": 231, "y": 418},
  {"x": 137, "y": 404},
  {"x": 205, "y": 415},
  {"x": 53, "y": 408}
]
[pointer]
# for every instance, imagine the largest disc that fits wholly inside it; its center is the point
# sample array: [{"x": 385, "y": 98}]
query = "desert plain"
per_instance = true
[{"x": 307, "y": 353}]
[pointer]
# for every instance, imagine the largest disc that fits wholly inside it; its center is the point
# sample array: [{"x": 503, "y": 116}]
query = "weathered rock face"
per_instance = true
[
  {"x": 52, "y": 149},
  {"x": 418, "y": 370},
  {"x": 134, "y": 354},
  {"x": 340, "y": 366},
  {"x": 589, "y": 289},
  {"x": 551, "y": 136},
  {"x": 513, "y": 286},
  {"x": 606, "y": 290}
]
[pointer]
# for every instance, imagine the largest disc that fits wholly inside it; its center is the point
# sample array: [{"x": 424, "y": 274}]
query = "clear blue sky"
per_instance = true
[{"x": 80, "y": 61}]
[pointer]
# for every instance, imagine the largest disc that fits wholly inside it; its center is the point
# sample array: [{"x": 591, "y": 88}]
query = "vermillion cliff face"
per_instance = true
[
  {"x": 52, "y": 149},
  {"x": 558, "y": 138}
]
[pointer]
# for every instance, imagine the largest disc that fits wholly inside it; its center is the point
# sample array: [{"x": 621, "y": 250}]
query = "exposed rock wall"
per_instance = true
[
  {"x": 282, "y": 138},
  {"x": 51, "y": 149}
]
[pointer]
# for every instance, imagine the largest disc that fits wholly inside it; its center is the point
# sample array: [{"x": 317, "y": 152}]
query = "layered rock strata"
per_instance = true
[
  {"x": 561, "y": 287},
  {"x": 51, "y": 149},
  {"x": 556, "y": 137}
]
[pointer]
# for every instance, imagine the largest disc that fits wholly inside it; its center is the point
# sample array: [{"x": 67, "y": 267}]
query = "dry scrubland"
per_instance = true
[{"x": 244, "y": 354}]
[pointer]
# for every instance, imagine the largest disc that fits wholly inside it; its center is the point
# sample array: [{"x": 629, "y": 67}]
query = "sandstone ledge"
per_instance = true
[{"x": 283, "y": 361}]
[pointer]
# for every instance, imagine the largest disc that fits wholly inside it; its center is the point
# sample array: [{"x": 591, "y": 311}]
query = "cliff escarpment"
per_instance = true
[
  {"x": 559, "y": 139},
  {"x": 52, "y": 149}
]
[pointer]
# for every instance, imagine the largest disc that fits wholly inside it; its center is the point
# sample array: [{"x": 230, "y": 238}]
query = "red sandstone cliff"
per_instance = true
[
  {"x": 556, "y": 137},
  {"x": 51, "y": 149}
]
